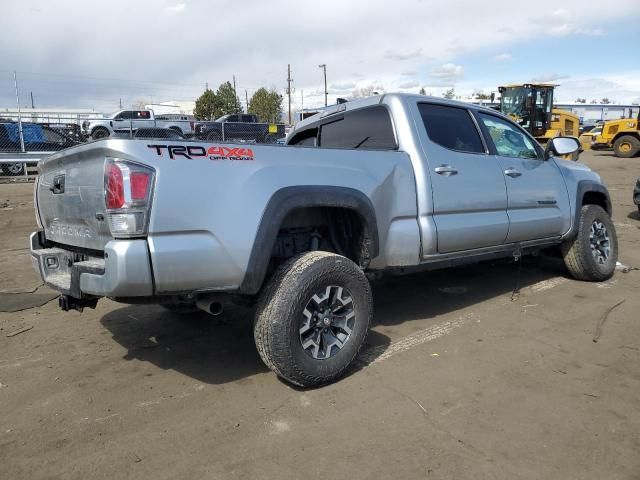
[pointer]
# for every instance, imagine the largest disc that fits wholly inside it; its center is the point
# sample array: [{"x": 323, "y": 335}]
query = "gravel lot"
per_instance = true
[{"x": 461, "y": 378}]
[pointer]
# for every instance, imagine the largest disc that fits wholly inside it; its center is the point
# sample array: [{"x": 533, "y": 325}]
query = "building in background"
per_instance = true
[{"x": 49, "y": 115}]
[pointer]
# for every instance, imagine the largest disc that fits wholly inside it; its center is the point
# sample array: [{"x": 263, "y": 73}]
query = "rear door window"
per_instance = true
[
  {"x": 367, "y": 128},
  {"x": 451, "y": 127}
]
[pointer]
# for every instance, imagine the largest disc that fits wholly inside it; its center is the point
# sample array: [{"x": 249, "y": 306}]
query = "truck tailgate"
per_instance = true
[{"x": 70, "y": 198}]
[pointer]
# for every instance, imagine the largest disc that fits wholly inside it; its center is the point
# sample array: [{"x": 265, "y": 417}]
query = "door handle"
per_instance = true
[
  {"x": 512, "y": 172},
  {"x": 446, "y": 170}
]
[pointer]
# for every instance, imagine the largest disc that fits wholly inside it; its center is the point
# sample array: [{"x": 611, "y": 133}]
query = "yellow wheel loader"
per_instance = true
[
  {"x": 531, "y": 106},
  {"x": 622, "y": 135}
]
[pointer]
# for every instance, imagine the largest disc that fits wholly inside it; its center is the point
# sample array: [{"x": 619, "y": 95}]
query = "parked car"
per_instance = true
[
  {"x": 168, "y": 133},
  {"x": 71, "y": 130},
  {"x": 636, "y": 194},
  {"x": 129, "y": 121},
  {"x": 37, "y": 138},
  {"x": 392, "y": 183},
  {"x": 239, "y": 128}
]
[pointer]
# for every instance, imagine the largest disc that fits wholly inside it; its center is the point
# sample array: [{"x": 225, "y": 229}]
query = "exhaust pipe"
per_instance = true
[{"x": 211, "y": 306}]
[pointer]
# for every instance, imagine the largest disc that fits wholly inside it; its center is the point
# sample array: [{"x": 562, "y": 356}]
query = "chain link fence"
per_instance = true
[{"x": 29, "y": 136}]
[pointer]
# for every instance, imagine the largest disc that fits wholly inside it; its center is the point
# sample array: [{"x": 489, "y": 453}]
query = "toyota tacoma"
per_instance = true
[{"x": 396, "y": 182}]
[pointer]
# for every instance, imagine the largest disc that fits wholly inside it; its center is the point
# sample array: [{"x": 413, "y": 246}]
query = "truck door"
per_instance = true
[
  {"x": 468, "y": 187},
  {"x": 538, "y": 202},
  {"x": 122, "y": 121},
  {"x": 142, "y": 119}
]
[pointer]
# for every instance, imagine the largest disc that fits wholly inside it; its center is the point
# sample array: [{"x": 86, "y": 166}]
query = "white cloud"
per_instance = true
[
  {"x": 177, "y": 8},
  {"x": 548, "y": 77},
  {"x": 342, "y": 86},
  {"x": 403, "y": 55},
  {"x": 447, "y": 73},
  {"x": 408, "y": 85},
  {"x": 503, "y": 57}
]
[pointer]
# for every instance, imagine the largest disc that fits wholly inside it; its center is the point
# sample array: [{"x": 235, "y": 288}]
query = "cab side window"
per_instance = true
[
  {"x": 508, "y": 139},
  {"x": 365, "y": 128},
  {"x": 451, "y": 127}
]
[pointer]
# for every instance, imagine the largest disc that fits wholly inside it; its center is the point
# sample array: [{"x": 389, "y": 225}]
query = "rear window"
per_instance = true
[
  {"x": 305, "y": 138},
  {"x": 451, "y": 127},
  {"x": 367, "y": 128}
]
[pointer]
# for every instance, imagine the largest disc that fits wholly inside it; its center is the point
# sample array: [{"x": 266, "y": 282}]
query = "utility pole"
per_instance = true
[
  {"x": 324, "y": 70},
  {"x": 206, "y": 86},
  {"x": 246, "y": 99},
  {"x": 32, "y": 106},
  {"x": 15, "y": 81},
  {"x": 235, "y": 94},
  {"x": 289, "y": 80},
  {"x": 120, "y": 104},
  {"x": 301, "y": 104}
]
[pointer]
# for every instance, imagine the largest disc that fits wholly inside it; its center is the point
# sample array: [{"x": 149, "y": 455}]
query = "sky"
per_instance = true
[{"x": 79, "y": 54}]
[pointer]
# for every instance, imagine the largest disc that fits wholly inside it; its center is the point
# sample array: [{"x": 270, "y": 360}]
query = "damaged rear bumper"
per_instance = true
[{"x": 123, "y": 271}]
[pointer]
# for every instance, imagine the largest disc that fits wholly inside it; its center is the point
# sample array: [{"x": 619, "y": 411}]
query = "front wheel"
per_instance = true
[
  {"x": 313, "y": 317},
  {"x": 626, "y": 146},
  {"x": 592, "y": 255}
]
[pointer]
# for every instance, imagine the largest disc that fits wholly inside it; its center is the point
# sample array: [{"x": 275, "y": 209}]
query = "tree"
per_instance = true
[
  {"x": 422, "y": 91},
  {"x": 267, "y": 105},
  {"x": 581, "y": 100},
  {"x": 605, "y": 101},
  {"x": 482, "y": 96},
  {"x": 451, "y": 93},
  {"x": 207, "y": 106},
  {"x": 227, "y": 99}
]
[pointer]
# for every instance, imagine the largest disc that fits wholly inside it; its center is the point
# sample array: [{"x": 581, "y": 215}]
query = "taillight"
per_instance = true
[
  {"x": 128, "y": 188},
  {"x": 114, "y": 186},
  {"x": 191, "y": 125}
]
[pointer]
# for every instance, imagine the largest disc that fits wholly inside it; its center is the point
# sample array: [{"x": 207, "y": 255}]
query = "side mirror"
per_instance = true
[{"x": 561, "y": 147}]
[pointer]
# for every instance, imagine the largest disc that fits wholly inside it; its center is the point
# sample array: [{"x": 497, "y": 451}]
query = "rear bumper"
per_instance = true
[{"x": 125, "y": 270}]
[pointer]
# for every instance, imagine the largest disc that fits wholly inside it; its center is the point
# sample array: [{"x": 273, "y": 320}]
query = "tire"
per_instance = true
[
  {"x": 12, "y": 169},
  {"x": 284, "y": 319},
  {"x": 214, "y": 136},
  {"x": 584, "y": 261},
  {"x": 626, "y": 146},
  {"x": 99, "y": 133}
]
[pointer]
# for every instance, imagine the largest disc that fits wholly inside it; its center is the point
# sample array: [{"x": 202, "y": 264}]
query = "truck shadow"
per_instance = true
[{"x": 218, "y": 350}]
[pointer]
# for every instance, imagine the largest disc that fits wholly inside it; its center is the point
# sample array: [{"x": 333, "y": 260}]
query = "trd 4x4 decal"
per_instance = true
[{"x": 214, "y": 152}]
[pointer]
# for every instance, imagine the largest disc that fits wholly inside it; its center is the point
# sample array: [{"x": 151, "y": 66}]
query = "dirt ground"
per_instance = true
[{"x": 460, "y": 378}]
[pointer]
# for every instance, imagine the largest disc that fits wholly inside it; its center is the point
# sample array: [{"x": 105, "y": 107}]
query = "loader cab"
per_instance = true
[{"x": 530, "y": 105}]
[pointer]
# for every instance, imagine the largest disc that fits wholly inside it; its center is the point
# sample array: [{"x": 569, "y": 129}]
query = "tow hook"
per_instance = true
[{"x": 67, "y": 303}]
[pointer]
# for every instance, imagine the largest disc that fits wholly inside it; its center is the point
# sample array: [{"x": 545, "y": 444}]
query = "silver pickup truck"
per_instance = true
[{"x": 389, "y": 183}]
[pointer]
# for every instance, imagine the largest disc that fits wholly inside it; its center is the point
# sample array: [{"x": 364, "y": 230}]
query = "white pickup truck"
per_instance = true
[{"x": 126, "y": 121}]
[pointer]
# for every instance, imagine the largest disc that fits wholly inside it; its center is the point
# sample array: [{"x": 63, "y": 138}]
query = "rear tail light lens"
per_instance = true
[{"x": 128, "y": 192}]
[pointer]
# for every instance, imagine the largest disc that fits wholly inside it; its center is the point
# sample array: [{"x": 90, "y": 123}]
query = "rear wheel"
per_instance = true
[
  {"x": 592, "y": 255},
  {"x": 214, "y": 136},
  {"x": 313, "y": 317},
  {"x": 626, "y": 146},
  {"x": 12, "y": 169}
]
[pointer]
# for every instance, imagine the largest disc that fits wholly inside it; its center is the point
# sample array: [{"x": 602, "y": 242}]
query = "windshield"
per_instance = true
[{"x": 513, "y": 101}]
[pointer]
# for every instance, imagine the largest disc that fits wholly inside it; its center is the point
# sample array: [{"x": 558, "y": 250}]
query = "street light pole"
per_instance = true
[{"x": 324, "y": 70}]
